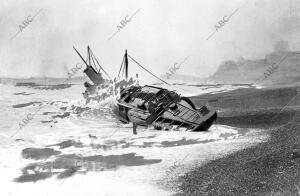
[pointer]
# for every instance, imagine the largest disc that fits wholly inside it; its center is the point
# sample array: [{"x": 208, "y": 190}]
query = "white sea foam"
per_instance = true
[{"x": 94, "y": 127}]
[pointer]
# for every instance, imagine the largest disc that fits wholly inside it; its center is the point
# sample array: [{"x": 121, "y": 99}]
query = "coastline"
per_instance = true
[{"x": 268, "y": 168}]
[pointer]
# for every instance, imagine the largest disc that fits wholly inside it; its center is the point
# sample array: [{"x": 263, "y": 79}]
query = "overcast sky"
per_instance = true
[{"x": 159, "y": 35}]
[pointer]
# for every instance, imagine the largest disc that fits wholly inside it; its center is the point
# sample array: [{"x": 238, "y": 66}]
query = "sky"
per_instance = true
[{"x": 159, "y": 35}]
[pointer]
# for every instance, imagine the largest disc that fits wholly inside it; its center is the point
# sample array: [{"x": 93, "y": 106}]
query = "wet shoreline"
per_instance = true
[{"x": 268, "y": 168}]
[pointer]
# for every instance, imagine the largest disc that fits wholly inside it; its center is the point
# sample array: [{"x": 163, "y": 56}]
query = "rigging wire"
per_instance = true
[
  {"x": 121, "y": 66},
  {"x": 148, "y": 70},
  {"x": 158, "y": 77},
  {"x": 95, "y": 65},
  {"x": 100, "y": 65}
]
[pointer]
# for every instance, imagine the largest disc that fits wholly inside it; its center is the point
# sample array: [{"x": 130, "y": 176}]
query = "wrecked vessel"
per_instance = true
[
  {"x": 162, "y": 108},
  {"x": 94, "y": 74},
  {"x": 151, "y": 105}
]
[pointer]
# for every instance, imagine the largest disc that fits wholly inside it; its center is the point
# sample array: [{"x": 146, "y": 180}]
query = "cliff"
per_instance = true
[{"x": 279, "y": 67}]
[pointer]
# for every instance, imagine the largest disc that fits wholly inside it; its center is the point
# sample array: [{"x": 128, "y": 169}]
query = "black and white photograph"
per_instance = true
[{"x": 150, "y": 98}]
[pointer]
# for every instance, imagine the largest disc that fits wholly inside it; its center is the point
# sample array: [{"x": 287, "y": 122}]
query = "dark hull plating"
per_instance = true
[{"x": 164, "y": 109}]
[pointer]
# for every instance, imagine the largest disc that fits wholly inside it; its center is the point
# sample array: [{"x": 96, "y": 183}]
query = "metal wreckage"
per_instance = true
[{"x": 147, "y": 105}]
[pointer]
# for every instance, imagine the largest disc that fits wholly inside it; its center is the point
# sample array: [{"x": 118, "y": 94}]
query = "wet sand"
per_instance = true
[{"x": 269, "y": 168}]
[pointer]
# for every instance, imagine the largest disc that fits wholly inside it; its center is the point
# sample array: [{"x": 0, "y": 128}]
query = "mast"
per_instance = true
[
  {"x": 93, "y": 75},
  {"x": 89, "y": 54},
  {"x": 81, "y": 57},
  {"x": 125, "y": 61},
  {"x": 126, "y": 64}
]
